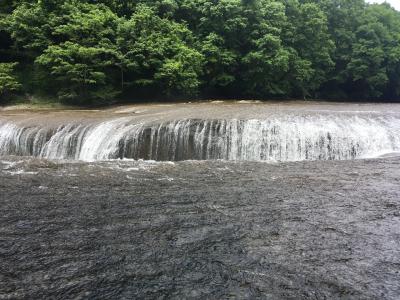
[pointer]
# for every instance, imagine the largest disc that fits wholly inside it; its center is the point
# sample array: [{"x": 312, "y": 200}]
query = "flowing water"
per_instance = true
[
  {"x": 231, "y": 201},
  {"x": 230, "y": 132}
]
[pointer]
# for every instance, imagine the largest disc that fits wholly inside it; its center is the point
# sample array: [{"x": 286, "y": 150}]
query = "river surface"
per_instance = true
[{"x": 245, "y": 227}]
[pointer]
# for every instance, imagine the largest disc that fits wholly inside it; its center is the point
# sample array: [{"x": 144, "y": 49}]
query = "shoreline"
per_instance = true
[{"x": 56, "y": 106}]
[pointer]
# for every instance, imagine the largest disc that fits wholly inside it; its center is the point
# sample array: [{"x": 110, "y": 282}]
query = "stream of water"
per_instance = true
[
  {"x": 201, "y": 201},
  {"x": 278, "y": 135}
]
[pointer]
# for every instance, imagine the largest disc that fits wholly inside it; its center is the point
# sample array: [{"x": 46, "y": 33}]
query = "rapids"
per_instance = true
[
  {"x": 128, "y": 229},
  {"x": 245, "y": 132},
  {"x": 214, "y": 222}
]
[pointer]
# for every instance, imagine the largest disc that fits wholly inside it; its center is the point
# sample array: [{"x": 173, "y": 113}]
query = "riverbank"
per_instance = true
[
  {"x": 43, "y": 103},
  {"x": 49, "y": 104},
  {"x": 33, "y": 103}
]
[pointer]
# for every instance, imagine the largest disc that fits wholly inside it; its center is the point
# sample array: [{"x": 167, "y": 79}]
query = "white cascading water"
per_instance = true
[{"x": 279, "y": 138}]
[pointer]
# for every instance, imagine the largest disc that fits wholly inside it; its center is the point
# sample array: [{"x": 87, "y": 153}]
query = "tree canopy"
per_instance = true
[
  {"x": 8, "y": 82},
  {"x": 95, "y": 51}
]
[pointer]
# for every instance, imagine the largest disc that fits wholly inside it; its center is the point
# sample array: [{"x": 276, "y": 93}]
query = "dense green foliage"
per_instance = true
[
  {"x": 96, "y": 50},
  {"x": 8, "y": 81}
]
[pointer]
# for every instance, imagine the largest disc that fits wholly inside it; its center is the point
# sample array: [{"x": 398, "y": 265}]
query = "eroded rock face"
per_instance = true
[
  {"x": 210, "y": 229},
  {"x": 246, "y": 132}
]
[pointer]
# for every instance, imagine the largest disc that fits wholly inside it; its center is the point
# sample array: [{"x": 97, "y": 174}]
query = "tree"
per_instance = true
[
  {"x": 77, "y": 51},
  {"x": 92, "y": 50},
  {"x": 267, "y": 60},
  {"x": 309, "y": 37},
  {"x": 220, "y": 64},
  {"x": 179, "y": 75},
  {"x": 344, "y": 18},
  {"x": 30, "y": 28},
  {"x": 158, "y": 54},
  {"x": 8, "y": 81},
  {"x": 79, "y": 72}
]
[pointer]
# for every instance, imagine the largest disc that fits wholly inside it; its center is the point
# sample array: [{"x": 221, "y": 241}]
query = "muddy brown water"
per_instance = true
[{"x": 163, "y": 112}]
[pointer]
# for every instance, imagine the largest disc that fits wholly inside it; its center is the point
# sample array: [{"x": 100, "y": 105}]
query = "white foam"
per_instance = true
[
  {"x": 21, "y": 172},
  {"x": 276, "y": 138}
]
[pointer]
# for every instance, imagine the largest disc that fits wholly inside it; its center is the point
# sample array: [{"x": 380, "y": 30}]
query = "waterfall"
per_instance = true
[{"x": 278, "y": 138}]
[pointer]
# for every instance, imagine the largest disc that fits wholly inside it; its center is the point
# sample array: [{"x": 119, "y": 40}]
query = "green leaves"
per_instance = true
[
  {"x": 158, "y": 54},
  {"x": 30, "y": 28},
  {"x": 92, "y": 50},
  {"x": 220, "y": 62},
  {"x": 180, "y": 74},
  {"x": 78, "y": 70},
  {"x": 82, "y": 52},
  {"x": 8, "y": 80}
]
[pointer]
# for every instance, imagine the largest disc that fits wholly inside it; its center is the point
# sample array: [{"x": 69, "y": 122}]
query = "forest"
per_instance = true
[{"x": 98, "y": 52}]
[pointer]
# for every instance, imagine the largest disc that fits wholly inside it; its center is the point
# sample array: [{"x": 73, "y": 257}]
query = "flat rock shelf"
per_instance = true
[{"x": 206, "y": 131}]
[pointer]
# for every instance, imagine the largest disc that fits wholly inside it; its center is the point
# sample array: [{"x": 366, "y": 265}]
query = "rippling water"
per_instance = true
[
  {"x": 246, "y": 227},
  {"x": 215, "y": 230}
]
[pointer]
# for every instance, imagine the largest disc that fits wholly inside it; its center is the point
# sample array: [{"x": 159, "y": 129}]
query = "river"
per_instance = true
[{"x": 305, "y": 218}]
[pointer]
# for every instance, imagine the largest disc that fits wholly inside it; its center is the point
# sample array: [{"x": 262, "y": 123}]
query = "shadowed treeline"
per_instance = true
[{"x": 97, "y": 51}]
